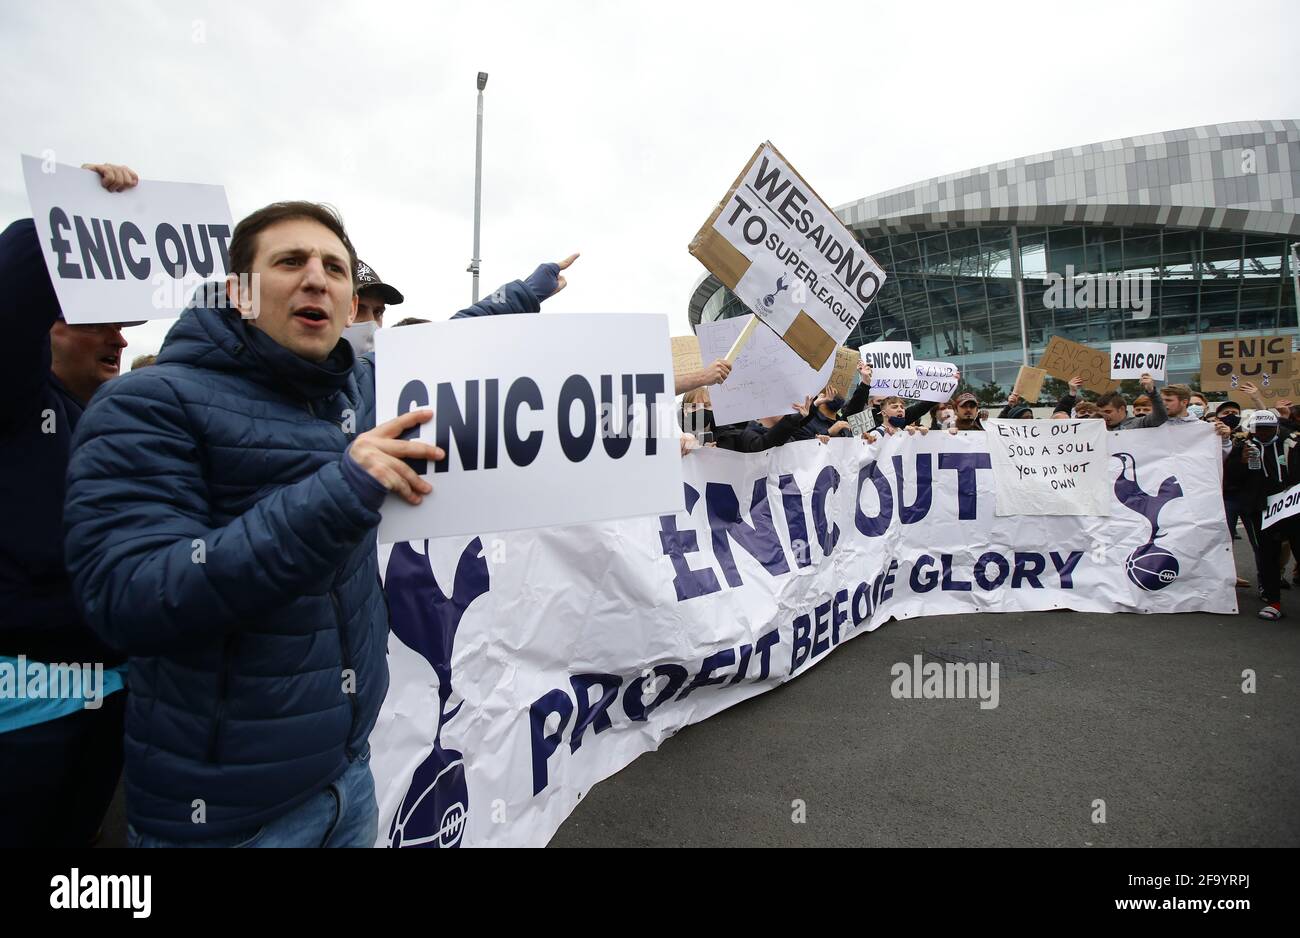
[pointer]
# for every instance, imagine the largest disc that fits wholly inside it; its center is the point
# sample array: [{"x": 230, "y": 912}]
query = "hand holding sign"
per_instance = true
[
  {"x": 380, "y": 453},
  {"x": 113, "y": 177}
]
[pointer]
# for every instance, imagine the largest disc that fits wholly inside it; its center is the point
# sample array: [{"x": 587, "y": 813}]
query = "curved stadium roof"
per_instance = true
[{"x": 1198, "y": 177}]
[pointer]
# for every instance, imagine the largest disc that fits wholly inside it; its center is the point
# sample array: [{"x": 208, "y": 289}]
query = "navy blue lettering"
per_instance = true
[
  {"x": 138, "y": 266},
  {"x": 450, "y": 424},
  {"x": 758, "y": 539},
  {"x": 981, "y": 572},
  {"x": 923, "y": 579},
  {"x": 676, "y": 545},
  {"x": 792, "y": 502},
  {"x": 828, "y": 535},
  {"x": 879, "y": 524},
  {"x": 800, "y": 643},
  {"x": 949, "y": 583},
  {"x": 1065, "y": 566},
  {"x": 1028, "y": 566},
  {"x": 60, "y": 246},
  {"x": 589, "y": 714},
  {"x": 522, "y": 451},
  {"x": 163, "y": 236},
  {"x": 413, "y": 397},
  {"x": 717, "y": 660},
  {"x": 555, "y": 701},
  {"x": 633, "y": 705},
  {"x": 910, "y": 514},
  {"x": 92, "y": 247},
  {"x": 966, "y": 465},
  {"x": 576, "y": 446}
]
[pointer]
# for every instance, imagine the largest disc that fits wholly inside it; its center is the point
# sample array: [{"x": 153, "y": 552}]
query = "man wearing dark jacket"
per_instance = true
[
  {"x": 221, "y": 514},
  {"x": 62, "y": 753},
  {"x": 1258, "y": 466}
]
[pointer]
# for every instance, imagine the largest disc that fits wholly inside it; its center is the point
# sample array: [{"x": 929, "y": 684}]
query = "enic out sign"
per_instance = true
[
  {"x": 126, "y": 256},
  {"x": 1135, "y": 359},
  {"x": 545, "y": 420}
]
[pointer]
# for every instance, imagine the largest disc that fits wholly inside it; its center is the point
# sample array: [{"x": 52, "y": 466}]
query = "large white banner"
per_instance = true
[
  {"x": 528, "y": 666},
  {"x": 126, "y": 256}
]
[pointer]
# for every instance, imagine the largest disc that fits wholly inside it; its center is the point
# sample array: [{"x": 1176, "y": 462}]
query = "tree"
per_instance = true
[
  {"x": 1053, "y": 390},
  {"x": 990, "y": 393}
]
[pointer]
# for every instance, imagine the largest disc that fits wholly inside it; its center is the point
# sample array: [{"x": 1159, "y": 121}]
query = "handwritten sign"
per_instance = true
[
  {"x": 766, "y": 378},
  {"x": 1049, "y": 467},
  {"x": 1265, "y": 361},
  {"x": 1065, "y": 359}
]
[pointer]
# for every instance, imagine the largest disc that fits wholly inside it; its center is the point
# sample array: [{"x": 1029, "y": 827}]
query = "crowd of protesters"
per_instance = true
[{"x": 206, "y": 519}]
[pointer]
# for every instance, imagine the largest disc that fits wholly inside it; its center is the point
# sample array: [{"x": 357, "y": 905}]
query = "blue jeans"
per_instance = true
[{"x": 344, "y": 814}]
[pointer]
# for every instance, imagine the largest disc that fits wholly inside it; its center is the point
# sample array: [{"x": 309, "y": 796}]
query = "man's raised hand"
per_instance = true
[{"x": 112, "y": 177}]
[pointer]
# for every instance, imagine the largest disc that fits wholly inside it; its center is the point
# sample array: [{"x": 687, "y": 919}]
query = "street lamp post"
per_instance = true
[{"x": 478, "y": 183}]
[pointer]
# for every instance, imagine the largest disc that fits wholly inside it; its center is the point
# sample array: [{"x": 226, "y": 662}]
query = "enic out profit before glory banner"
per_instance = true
[{"x": 527, "y": 666}]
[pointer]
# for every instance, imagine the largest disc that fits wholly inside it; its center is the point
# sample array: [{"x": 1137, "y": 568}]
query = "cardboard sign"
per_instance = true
[
  {"x": 846, "y": 366},
  {"x": 546, "y": 421},
  {"x": 1029, "y": 383},
  {"x": 767, "y": 377},
  {"x": 686, "y": 355},
  {"x": 1282, "y": 505},
  {"x": 1050, "y": 467},
  {"x": 787, "y": 256},
  {"x": 1065, "y": 359},
  {"x": 1265, "y": 361},
  {"x": 126, "y": 256},
  {"x": 1135, "y": 359}
]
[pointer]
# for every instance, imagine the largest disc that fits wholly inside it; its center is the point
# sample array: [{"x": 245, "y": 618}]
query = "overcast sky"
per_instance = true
[{"x": 611, "y": 128}]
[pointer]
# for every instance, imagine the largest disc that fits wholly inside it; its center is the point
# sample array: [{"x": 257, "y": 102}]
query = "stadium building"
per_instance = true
[{"x": 1171, "y": 237}]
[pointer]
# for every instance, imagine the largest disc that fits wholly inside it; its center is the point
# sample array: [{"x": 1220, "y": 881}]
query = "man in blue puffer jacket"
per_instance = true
[{"x": 220, "y": 522}]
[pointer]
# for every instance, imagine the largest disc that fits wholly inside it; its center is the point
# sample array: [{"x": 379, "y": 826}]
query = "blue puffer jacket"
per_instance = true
[{"x": 214, "y": 536}]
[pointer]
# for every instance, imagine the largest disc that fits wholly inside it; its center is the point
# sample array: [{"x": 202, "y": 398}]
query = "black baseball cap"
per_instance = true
[
  {"x": 1227, "y": 404},
  {"x": 368, "y": 280}
]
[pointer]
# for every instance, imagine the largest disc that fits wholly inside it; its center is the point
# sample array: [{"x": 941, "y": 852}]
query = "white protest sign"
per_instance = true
[
  {"x": 1281, "y": 506},
  {"x": 546, "y": 421},
  {"x": 1135, "y": 359},
  {"x": 126, "y": 256},
  {"x": 934, "y": 381},
  {"x": 766, "y": 378},
  {"x": 892, "y": 366},
  {"x": 786, "y": 255},
  {"x": 1049, "y": 467}
]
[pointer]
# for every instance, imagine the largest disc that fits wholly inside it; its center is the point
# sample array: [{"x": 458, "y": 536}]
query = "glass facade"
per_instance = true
[{"x": 952, "y": 293}]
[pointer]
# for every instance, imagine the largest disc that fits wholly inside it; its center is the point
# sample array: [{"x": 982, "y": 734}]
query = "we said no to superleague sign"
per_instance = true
[
  {"x": 546, "y": 420},
  {"x": 782, "y": 250}
]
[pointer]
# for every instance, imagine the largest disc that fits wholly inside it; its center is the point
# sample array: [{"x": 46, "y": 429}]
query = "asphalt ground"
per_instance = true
[{"x": 1144, "y": 713}]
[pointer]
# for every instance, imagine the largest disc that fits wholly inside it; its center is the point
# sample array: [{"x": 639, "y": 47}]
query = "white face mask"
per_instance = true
[
  {"x": 1196, "y": 410},
  {"x": 361, "y": 336}
]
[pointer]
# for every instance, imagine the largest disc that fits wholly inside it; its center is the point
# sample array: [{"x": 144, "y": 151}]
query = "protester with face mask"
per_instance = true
[
  {"x": 1257, "y": 467},
  {"x": 1229, "y": 414},
  {"x": 1197, "y": 405},
  {"x": 1176, "y": 399},
  {"x": 373, "y": 298},
  {"x": 861, "y": 399},
  {"x": 1141, "y": 405},
  {"x": 823, "y": 419},
  {"x": 61, "y": 754}
]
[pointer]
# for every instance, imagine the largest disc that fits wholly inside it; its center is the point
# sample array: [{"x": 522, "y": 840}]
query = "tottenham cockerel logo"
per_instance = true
[
  {"x": 770, "y": 299},
  {"x": 435, "y": 808},
  {"x": 1150, "y": 567}
]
